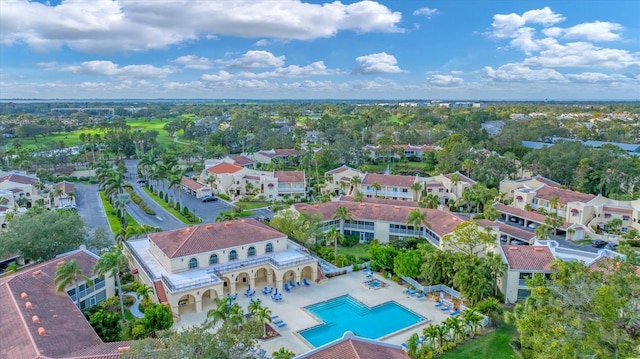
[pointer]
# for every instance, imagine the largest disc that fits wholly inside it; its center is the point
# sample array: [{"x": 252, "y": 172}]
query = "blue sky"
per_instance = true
[{"x": 289, "y": 49}]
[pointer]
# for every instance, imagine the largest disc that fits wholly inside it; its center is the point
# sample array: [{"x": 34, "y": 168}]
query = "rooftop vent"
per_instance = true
[
  {"x": 28, "y": 305},
  {"x": 209, "y": 226},
  {"x": 376, "y": 205},
  {"x": 315, "y": 206},
  {"x": 227, "y": 224},
  {"x": 396, "y": 207},
  {"x": 188, "y": 229},
  {"x": 303, "y": 208},
  {"x": 538, "y": 249},
  {"x": 24, "y": 295},
  {"x": 42, "y": 332},
  {"x": 513, "y": 248},
  {"x": 59, "y": 263},
  {"x": 35, "y": 319},
  {"x": 123, "y": 349},
  {"x": 35, "y": 273},
  {"x": 362, "y": 204}
]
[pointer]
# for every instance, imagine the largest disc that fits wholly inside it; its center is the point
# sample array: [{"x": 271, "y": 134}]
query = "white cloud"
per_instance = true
[
  {"x": 261, "y": 42},
  {"x": 595, "y": 77},
  {"x": 511, "y": 26},
  {"x": 317, "y": 68},
  {"x": 255, "y": 59},
  {"x": 108, "y": 68},
  {"x": 193, "y": 62},
  {"x": 544, "y": 16},
  {"x": 445, "y": 80},
  {"x": 456, "y": 72},
  {"x": 522, "y": 73},
  {"x": 379, "y": 63},
  {"x": 594, "y": 31},
  {"x": 523, "y": 39},
  {"x": 132, "y": 25},
  {"x": 582, "y": 54},
  {"x": 505, "y": 26},
  {"x": 425, "y": 11},
  {"x": 220, "y": 76}
]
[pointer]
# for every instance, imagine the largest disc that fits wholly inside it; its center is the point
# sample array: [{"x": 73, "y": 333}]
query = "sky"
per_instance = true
[{"x": 297, "y": 49}]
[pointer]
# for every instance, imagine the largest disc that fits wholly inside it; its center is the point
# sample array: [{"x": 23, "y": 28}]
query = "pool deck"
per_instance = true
[{"x": 291, "y": 311}]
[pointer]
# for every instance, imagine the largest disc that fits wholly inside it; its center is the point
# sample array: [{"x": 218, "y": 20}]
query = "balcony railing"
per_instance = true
[
  {"x": 366, "y": 227},
  {"x": 87, "y": 291},
  {"x": 142, "y": 264},
  {"x": 410, "y": 232},
  {"x": 191, "y": 285},
  {"x": 387, "y": 193}
]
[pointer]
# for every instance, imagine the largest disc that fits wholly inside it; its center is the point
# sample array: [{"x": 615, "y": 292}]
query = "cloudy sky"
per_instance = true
[{"x": 297, "y": 49}]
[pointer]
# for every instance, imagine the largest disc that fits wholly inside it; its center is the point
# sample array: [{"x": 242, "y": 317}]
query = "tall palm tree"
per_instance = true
[
  {"x": 542, "y": 231},
  {"x": 175, "y": 181},
  {"x": 416, "y": 218},
  {"x": 455, "y": 179},
  {"x": 355, "y": 181},
  {"x": 69, "y": 273},
  {"x": 416, "y": 188},
  {"x": 431, "y": 332},
  {"x": 474, "y": 318},
  {"x": 467, "y": 166},
  {"x": 429, "y": 201},
  {"x": 263, "y": 314},
  {"x": 142, "y": 290},
  {"x": 376, "y": 187},
  {"x": 554, "y": 202},
  {"x": 120, "y": 202},
  {"x": 333, "y": 234},
  {"x": 497, "y": 267},
  {"x": 342, "y": 214},
  {"x": 113, "y": 263},
  {"x": 57, "y": 193}
]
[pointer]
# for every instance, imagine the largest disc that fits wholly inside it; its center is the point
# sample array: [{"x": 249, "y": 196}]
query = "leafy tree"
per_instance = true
[
  {"x": 157, "y": 317},
  {"x": 99, "y": 241},
  {"x": 543, "y": 231},
  {"x": 407, "y": 263},
  {"x": 112, "y": 263},
  {"x": 497, "y": 267},
  {"x": 437, "y": 267},
  {"x": 469, "y": 239},
  {"x": 417, "y": 218},
  {"x": 491, "y": 213},
  {"x": 69, "y": 273},
  {"x": 43, "y": 235},
  {"x": 473, "y": 279},
  {"x": 107, "y": 325},
  {"x": 382, "y": 257},
  {"x": 283, "y": 353}
]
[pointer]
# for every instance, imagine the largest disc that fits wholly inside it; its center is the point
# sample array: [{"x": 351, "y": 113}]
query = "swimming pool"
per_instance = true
[{"x": 346, "y": 313}]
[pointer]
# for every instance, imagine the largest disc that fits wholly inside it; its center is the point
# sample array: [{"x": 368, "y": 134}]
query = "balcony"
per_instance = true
[
  {"x": 364, "y": 227},
  {"x": 399, "y": 194},
  {"x": 408, "y": 232},
  {"x": 88, "y": 291}
]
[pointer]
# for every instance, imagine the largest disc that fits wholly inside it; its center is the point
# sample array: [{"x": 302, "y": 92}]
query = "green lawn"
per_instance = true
[
  {"x": 394, "y": 167},
  {"x": 244, "y": 213},
  {"x": 584, "y": 242},
  {"x": 112, "y": 218},
  {"x": 166, "y": 206},
  {"x": 493, "y": 345},
  {"x": 251, "y": 205},
  {"x": 358, "y": 251}
]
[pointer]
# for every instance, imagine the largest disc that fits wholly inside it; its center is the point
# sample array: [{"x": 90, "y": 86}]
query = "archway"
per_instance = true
[
  {"x": 187, "y": 304},
  {"x": 307, "y": 272},
  {"x": 226, "y": 287},
  {"x": 289, "y": 275},
  {"x": 242, "y": 282},
  {"x": 207, "y": 299},
  {"x": 262, "y": 277}
]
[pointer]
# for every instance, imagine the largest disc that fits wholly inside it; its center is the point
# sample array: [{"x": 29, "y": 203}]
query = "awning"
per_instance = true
[
  {"x": 134, "y": 271},
  {"x": 519, "y": 198},
  {"x": 573, "y": 210}
]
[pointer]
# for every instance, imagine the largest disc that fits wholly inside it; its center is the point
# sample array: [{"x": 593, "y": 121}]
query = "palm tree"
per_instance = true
[
  {"x": 333, "y": 234},
  {"x": 453, "y": 324},
  {"x": 69, "y": 273},
  {"x": 497, "y": 267},
  {"x": 554, "y": 203},
  {"x": 120, "y": 203},
  {"x": 473, "y": 318},
  {"x": 429, "y": 201},
  {"x": 142, "y": 290},
  {"x": 416, "y": 188},
  {"x": 112, "y": 263},
  {"x": 376, "y": 187},
  {"x": 342, "y": 214},
  {"x": 283, "y": 353},
  {"x": 175, "y": 181},
  {"x": 413, "y": 345},
  {"x": 263, "y": 314},
  {"x": 355, "y": 181},
  {"x": 467, "y": 166},
  {"x": 542, "y": 231},
  {"x": 416, "y": 218},
  {"x": 455, "y": 179},
  {"x": 431, "y": 332},
  {"x": 57, "y": 193}
]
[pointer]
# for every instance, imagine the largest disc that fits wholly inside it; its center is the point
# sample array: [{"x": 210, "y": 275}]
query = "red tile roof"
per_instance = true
[
  {"x": 532, "y": 216},
  {"x": 409, "y": 147},
  {"x": 65, "y": 186},
  {"x": 214, "y": 236},
  {"x": 541, "y": 179},
  {"x": 160, "y": 292},
  {"x": 388, "y": 180},
  {"x": 189, "y": 183},
  {"x": 242, "y": 160},
  {"x": 508, "y": 229},
  {"x": 223, "y": 168},
  {"x": 441, "y": 222},
  {"x": 564, "y": 195},
  {"x": 353, "y": 347},
  {"x": 617, "y": 210},
  {"x": 533, "y": 258},
  {"x": 463, "y": 178},
  {"x": 66, "y": 331},
  {"x": 289, "y": 176},
  {"x": 389, "y": 201},
  {"x": 18, "y": 178},
  {"x": 339, "y": 170}
]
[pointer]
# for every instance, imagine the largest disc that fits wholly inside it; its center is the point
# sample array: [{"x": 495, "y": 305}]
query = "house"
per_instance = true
[
  {"x": 352, "y": 346},
  {"x": 63, "y": 195},
  {"x": 241, "y": 160},
  {"x": 194, "y": 188},
  {"x": 340, "y": 180},
  {"x": 40, "y": 322},
  {"x": 388, "y": 186},
  {"x": 188, "y": 267},
  {"x": 522, "y": 263},
  {"x": 397, "y": 152},
  {"x": 288, "y": 156},
  {"x": 289, "y": 184},
  {"x": 382, "y": 221},
  {"x": 23, "y": 186}
]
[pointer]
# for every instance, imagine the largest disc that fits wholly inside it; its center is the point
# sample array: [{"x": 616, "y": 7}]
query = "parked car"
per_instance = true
[
  {"x": 263, "y": 219},
  {"x": 141, "y": 181},
  {"x": 599, "y": 243},
  {"x": 533, "y": 225},
  {"x": 209, "y": 199},
  {"x": 503, "y": 238},
  {"x": 70, "y": 206},
  {"x": 611, "y": 246}
]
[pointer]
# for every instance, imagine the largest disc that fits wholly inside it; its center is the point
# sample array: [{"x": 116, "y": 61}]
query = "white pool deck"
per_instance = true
[{"x": 291, "y": 311}]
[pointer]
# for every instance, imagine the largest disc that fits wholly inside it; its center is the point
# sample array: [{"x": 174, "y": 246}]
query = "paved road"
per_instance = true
[
  {"x": 90, "y": 207},
  {"x": 208, "y": 211}
]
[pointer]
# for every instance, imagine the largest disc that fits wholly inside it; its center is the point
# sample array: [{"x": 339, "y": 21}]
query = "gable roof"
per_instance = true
[
  {"x": 280, "y": 152},
  {"x": 353, "y": 347},
  {"x": 441, "y": 222},
  {"x": 214, "y": 236},
  {"x": 340, "y": 169},
  {"x": 532, "y": 216},
  {"x": 223, "y": 167},
  {"x": 564, "y": 195},
  {"x": 289, "y": 176},
  {"x": 189, "y": 183},
  {"x": 388, "y": 180},
  {"x": 65, "y": 328},
  {"x": 242, "y": 160},
  {"x": 534, "y": 258},
  {"x": 510, "y": 230},
  {"x": 18, "y": 178},
  {"x": 65, "y": 186},
  {"x": 463, "y": 178}
]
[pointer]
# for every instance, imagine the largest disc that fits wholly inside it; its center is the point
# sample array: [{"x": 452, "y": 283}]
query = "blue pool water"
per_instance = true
[{"x": 345, "y": 313}]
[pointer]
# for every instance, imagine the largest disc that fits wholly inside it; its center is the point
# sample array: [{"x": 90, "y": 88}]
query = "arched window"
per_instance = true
[
  {"x": 213, "y": 259},
  {"x": 233, "y": 255},
  {"x": 251, "y": 252},
  {"x": 269, "y": 248},
  {"x": 193, "y": 263}
]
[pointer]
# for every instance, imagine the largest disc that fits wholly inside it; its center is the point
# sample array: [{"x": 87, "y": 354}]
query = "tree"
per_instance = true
[
  {"x": 99, "y": 241},
  {"x": 112, "y": 263},
  {"x": 354, "y": 181},
  {"x": 429, "y": 201},
  {"x": 417, "y": 218},
  {"x": 554, "y": 221},
  {"x": 468, "y": 239},
  {"x": 107, "y": 325},
  {"x": 43, "y": 235},
  {"x": 142, "y": 290},
  {"x": 554, "y": 202},
  {"x": 543, "y": 231},
  {"x": 474, "y": 318},
  {"x": 382, "y": 257},
  {"x": 490, "y": 212},
  {"x": 407, "y": 263},
  {"x": 283, "y": 353},
  {"x": 157, "y": 317},
  {"x": 69, "y": 273},
  {"x": 416, "y": 188},
  {"x": 333, "y": 234},
  {"x": 497, "y": 267},
  {"x": 342, "y": 214},
  {"x": 376, "y": 187},
  {"x": 614, "y": 225},
  {"x": 467, "y": 166},
  {"x": 263, "y": 314},
  {"x": 455, "y": 179}
]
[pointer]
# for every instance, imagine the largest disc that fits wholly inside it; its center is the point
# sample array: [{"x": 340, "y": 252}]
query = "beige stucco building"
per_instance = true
[{"x": 189, "y": 267}]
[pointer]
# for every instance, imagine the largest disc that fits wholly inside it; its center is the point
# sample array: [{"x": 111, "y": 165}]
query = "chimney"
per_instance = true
[
  {"x": 28, "y": 305},
  {"x": 59, "y": 263},
  {"x": 209, "y": 226},
  {"x": 24, "y": 295},
  {"x": 35, "y": 319},
  {"x": 35, "y": 273},
  {"x": 42, "y": 332}
]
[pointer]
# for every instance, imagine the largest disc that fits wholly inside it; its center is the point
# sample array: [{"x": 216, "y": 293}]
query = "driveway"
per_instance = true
[
  {"x": 90, "y": 207},
  {"x": 208, "y": 211}
]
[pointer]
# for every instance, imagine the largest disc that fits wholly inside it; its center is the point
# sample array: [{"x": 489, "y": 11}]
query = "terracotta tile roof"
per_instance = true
[
  {"x": 617, "y": 210},
  {"x": 3, "y": 208},
  {"x": 532, "y": 216},
  {"x": 388, "y": 180},
  {"x": 352, "y": 347},
  {"x": 281, "y": 152},
  {"x": 534, "y": 258},
  {"x": 541, "y": 179},
  {"x": 65, "y": 186},
  {"x": 242, "y": 160},
  {"x": 15, "y": 341},
  {"x": 409, "y": 147},
  {"x": 66, "y": 329},
  {"x": 110, "y": 350},
  {"x": 564, "y": 195},
  {"x": 214, "y": 236},
  {"x": 340, "y": 169},
  {"x": 18, "y": 178},
  {"x": 255, "y": 178},
  {"x": 441, "y": 222},
  {"x": 392, "y": 202},
  {"x": 189, "y": 183},
  {"x": 16, "y": 190},
  {"x": 289, "y": 176},
  {"x": 507, "y": 229},
  {"x": 161, "y": 293},
  {"x": 606, "y": 265},
  {"x": 463, "y": 178},
  {"x": 222, "y": 168}
]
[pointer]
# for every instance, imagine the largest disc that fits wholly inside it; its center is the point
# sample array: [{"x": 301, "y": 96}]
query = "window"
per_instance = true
[
  {"x": 269, "y": 248},
  {"x": 607, "y": 215},
  {"x": 233, "y": 255},
  {"x": 251, "y": 252},
  {"x": 213, "y": 259},
  {"x": 193, "y": 263},
  {"x": 625, "y": 218}
]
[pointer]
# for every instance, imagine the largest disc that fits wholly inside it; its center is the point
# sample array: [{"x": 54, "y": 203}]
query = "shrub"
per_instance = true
[
  {"x": 161, "y": 194},
  {"x": 223, "y": 196},
  {"x": 166, "y": 197},
  {"x": 177, "y": 206},
  {"x": 128, "y": 300}
]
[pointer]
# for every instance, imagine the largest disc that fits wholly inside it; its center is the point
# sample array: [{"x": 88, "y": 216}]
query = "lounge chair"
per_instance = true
[
  {"x": 274, "y": 317},
  {"x": 439, "y": 304},
  {"x": 286, "y": 287},
  {"x": 405, "y": 346},
  {"x": 281, "y": 325},
  {"x": 446, "y": 308},
  {"x": 304, "y": 281},
  {"x": 413, "y": 291},
  {"x": 420, "y": 296},
  {"x": 298, "y": 284},
  {"x": 276, "y": 322},
  {"x": 454, "y": 313},
  {"x": 291, "y": 284},
  {"x": 407, "y": 291}
]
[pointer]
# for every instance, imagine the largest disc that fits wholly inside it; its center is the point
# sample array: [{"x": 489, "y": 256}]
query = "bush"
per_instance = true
[
  {"x": 633, "y": 242},
  {"x": 128, "y": 300},
  {"x": 161, "y": 194},
  {"x": 349, "y": 240},
  {"x": 224, "y": 196},
  {"x": 177, "y": 207},
  {"x": 166, "y": 197}
]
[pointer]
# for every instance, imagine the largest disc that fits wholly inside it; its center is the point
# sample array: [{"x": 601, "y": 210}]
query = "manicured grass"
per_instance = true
[
  {"x": 251, "y": 205},
  {"x": 358, "y": 251},
  {"x": 112, "y": 218},
  {"x": 493, "y": 345},
  {"x": 69, "y": 138},
  {"x": 584, "y": 242},
  {"x": 166, "y": 206},
  {"x": 394, "y": 167},
  {"x": 244, "y": 213}
]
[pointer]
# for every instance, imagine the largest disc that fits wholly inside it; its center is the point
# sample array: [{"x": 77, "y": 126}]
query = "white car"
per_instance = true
[{"x": 533, "y": 225}]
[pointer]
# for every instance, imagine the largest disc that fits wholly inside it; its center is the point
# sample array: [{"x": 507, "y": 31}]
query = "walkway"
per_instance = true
[{"x": 135, "y": 307}]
